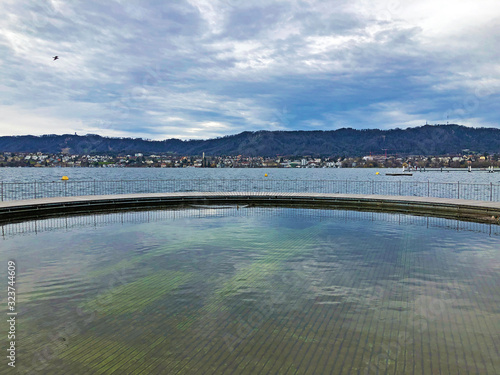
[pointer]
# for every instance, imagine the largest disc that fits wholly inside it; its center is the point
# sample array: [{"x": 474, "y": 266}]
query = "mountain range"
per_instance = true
[{"x": 423, "y": 140}]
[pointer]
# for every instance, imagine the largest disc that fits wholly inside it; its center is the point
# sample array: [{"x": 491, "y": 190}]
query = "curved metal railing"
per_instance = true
[{"x": 31, "y": 190}]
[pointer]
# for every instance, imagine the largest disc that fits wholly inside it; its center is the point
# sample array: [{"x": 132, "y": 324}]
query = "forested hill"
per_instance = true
[{"x": 424, "y": 140}]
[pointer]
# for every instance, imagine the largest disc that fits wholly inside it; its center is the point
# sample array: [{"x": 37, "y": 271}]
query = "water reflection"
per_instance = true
[
  {"x": 140, "y": 217},
  {"x": 256, "y": 290}
]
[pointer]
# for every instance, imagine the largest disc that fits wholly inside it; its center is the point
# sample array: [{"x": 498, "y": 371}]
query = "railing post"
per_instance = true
[
  {"x": 458, "y": 189},
  {"x": 428, "y": 188},
  {"x": 491, "y": 191},
  {"x": 35, "y": 188},
  {"x": 400, "y": 187},
  {"x": 2, "y": 191}
]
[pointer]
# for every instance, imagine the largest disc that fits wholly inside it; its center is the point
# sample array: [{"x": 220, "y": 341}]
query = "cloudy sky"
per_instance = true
[{"x": 205, "y": 68}]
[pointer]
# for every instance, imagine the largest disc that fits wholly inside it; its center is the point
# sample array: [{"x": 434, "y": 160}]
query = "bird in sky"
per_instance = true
[{"x": 55, "y": 58}]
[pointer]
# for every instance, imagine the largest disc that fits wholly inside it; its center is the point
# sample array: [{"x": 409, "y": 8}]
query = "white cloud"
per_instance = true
[
  {"x": 16, "y": 120},
  {"x": 204, "y": 68}
]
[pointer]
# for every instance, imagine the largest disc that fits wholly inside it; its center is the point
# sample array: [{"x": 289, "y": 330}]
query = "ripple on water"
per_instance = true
[{"x": 261, "y": 291}]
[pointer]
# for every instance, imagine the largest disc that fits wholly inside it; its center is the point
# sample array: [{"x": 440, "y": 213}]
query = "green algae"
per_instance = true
[{"x": 137, "y": 295}]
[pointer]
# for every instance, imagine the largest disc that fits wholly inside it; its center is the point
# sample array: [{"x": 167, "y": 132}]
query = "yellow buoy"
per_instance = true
[
  {"x": 65, "y": 178},
  {"x": 265, "y": 175},
  {"x": 377, "y": 173}
]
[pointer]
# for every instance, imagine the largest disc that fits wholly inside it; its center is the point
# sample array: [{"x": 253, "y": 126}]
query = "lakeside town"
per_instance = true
[{"x": 64, "y": 159}]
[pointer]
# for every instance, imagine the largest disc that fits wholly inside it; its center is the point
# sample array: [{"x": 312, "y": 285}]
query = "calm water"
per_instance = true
[
  {"x": 75, "y": 174},
  {"x": 255, "y": 291}
]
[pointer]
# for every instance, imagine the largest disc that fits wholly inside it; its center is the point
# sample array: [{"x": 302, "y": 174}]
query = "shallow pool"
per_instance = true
[{"x": 254, "y": 291}]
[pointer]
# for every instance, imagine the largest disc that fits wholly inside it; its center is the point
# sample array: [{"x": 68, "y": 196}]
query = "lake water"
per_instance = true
[
  {"x": 361, "y": 174},
  {"x": 254, "y": 291},
  {"x": 29, "y": 183}
]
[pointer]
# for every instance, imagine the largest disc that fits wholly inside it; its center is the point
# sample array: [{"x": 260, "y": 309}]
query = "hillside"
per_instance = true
[{"x": 424, "y": 140}]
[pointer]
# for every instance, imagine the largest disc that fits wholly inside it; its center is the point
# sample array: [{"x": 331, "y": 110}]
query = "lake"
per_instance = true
[{"x": 361, "y": 174}]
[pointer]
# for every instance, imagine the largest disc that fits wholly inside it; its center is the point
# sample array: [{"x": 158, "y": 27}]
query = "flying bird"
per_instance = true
[{"x": 55, "y": 58}]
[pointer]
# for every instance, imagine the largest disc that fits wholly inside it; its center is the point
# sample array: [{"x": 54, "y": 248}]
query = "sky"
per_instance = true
[{"x": 198, "y": 69}]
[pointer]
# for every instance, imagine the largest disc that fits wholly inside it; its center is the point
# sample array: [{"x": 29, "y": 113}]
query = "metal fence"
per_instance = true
[{"x": 31, "y": 190}]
